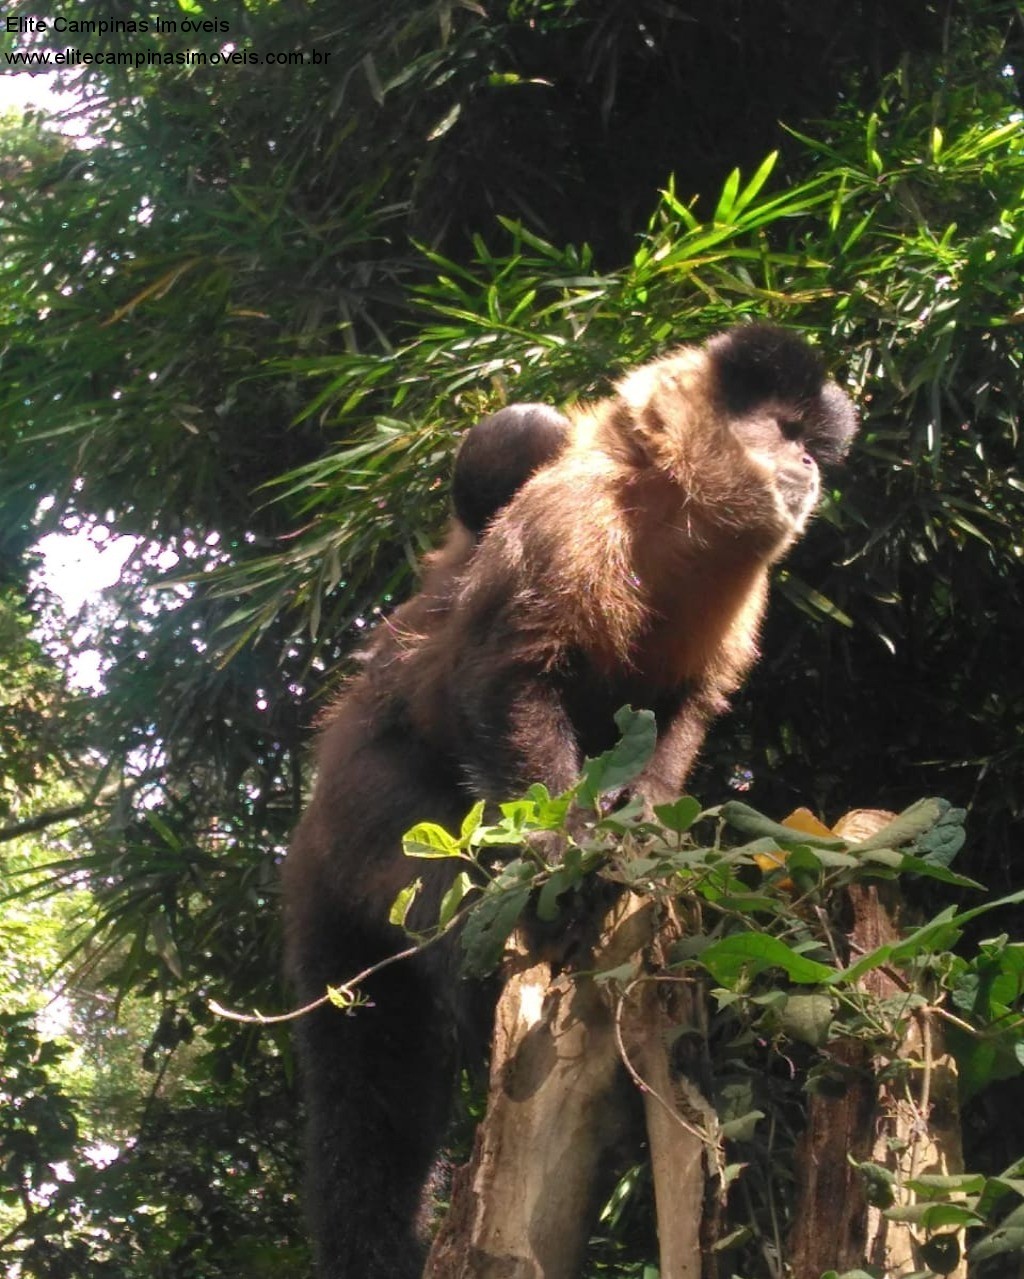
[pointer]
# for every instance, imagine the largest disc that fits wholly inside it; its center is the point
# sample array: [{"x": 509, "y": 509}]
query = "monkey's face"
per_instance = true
[
  {"x": 741, "y": 426},
  {"x": 776, "y": 451},
  {"x": 785, "y": 416}
]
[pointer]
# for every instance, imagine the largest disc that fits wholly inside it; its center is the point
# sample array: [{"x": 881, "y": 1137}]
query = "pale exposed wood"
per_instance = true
[
  {"x": 918, "y": 1131},
  {"x": 675, "y": 1139},
  {"x": 556, "y": 1106}
]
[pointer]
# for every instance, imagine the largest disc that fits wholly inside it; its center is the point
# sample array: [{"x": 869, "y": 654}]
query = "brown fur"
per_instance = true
[
  {"x": 496, "y": 457},
  {"x": 630, "y": 568}
]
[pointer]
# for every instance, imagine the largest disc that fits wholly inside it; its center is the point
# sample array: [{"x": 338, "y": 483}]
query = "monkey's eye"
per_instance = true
[{"x": 791, "y": 428}]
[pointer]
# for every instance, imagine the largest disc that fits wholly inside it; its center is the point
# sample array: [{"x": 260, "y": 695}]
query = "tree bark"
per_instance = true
[
  {"x": 677, "y": 1133},
  {"x": 908, "y": 1128},
  {"x": 566, "y": 1044},
  {"x": 557, "y": 1104}
]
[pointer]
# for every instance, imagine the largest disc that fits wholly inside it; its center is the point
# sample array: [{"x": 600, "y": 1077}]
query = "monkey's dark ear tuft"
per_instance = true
[
  {"x": 757, "y": 362},
  {"x": 831, "y": 426}
]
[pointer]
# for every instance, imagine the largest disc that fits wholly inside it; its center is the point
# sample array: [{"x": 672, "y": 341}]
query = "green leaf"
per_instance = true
[
  {"x": 830, "y": 859},
  {"x": 909, "y": 825},
  {"x": 727, "y": 198},
  {"x": 511, "y": 832},
  {"x": 996, "y": 1188},
  {"x": 740, "y": 953},
  {"x": 549, "y": 812},
  {"x": 743, "y": 1127},
  {"x": 163, "y": 830},
  {"x": 938, "y": 934},
  {"x": 936, "y": 870},
  {"x": 882, "y": 857},
  {"x": 879, "y": 1184},
  {"x": 372, "y": 79},
  {"x": 626, "y": 818},
  {"x": 680, "y": 815},
  {"x": 938, "y": 931},
  {"x": 810, "y": 601},
  {"x": 445, "y": 123},
  {"x": 402, "y": 903},
  {"x": 1008, "y": 1237},
  {"x": 932, "y": 1185},
  {"x": 560, "y": 881},
  {"x": 471, "y": 823},
  {"x": 626, "y": 760},
  {"x": 751, "y": 822},
  {"x": 942, "y": 843},
  {"x": 636, "y": 869},
  {"x": 802, "y": 858},
  {"x": 933, "y": 1216},
  {"x": 874, "y": 160},
  {"x": 808, "y": 1018},
  {"x": 453, "y": 898},
  {"x": 489, "y": 926},
  {"x": 428, "y": 840},
  {"x": 753, "y": 187},
  {"x": 517, "y": 812},
  {"x": 732, "y": 1239}
]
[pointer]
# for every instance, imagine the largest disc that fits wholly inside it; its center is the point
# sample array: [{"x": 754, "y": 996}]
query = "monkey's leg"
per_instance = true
[{"x": 378, "y": 1085}]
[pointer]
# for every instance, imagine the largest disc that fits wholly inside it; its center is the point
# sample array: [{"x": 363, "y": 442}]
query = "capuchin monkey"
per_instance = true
[{"x": 630, "y": 566}]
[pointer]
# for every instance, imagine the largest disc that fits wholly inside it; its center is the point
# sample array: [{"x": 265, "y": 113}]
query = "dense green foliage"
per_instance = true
[
  {"x": 757, "y": 905},
  {"x": 244, "y": 324}
]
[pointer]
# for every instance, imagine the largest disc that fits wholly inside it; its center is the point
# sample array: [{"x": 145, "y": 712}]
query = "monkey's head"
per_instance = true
[{"x": 742, "y": 425}]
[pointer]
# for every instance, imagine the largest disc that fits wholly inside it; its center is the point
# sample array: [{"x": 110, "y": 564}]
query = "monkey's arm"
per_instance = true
[
  {"x": 537, "y": 595},
  {"x": 514, "y": 730},
  {"x": 679, "y": 743}
]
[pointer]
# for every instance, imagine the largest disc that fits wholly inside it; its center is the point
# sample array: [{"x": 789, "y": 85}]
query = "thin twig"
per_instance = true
[
  {"x": 265, "y": 1019},
  {"x": 703, "y": 1135}
]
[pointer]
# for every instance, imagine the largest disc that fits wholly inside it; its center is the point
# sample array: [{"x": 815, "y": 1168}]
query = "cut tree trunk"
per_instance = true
[
  {"x": 559, "y": 1105},
  {"x": 570, "y": 1047}
]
